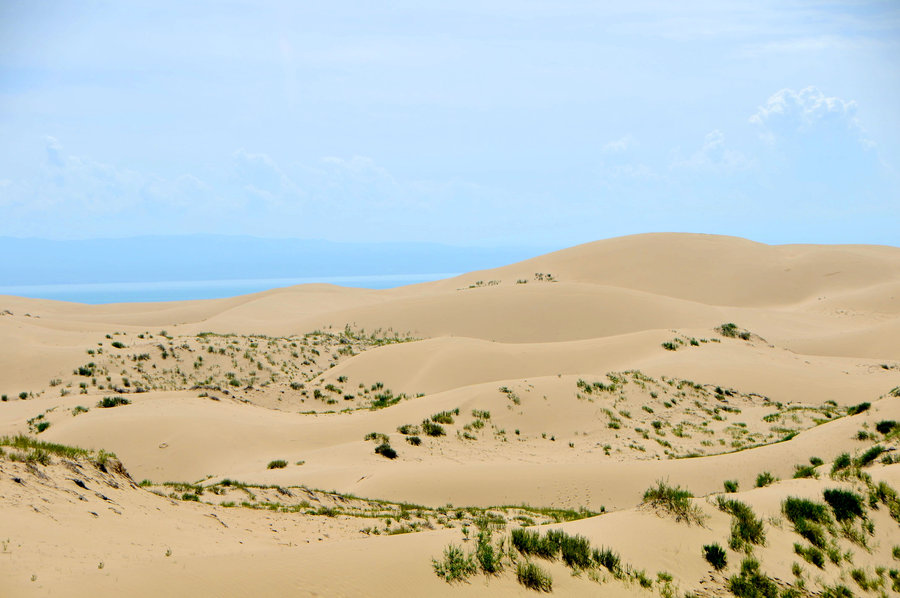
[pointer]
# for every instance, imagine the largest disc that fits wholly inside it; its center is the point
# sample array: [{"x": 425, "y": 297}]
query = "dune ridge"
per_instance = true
[{"x": 572, "y": 382}]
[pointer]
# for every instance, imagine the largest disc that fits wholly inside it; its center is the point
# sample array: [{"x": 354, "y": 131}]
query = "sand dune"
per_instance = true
[{"x": 573, "y": 380}]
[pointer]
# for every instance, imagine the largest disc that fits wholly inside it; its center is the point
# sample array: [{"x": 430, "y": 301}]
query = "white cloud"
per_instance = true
[
  {"x": 620, "y": 145},
  {"x": 806, "y": 107},
  {"x": 713, "y": 155}
]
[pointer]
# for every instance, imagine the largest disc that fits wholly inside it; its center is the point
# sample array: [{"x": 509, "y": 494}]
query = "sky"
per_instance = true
[{"x": 483, "y": 123}]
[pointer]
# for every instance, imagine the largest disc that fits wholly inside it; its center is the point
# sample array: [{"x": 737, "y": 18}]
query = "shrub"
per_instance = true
[
  {"x": 811, "y": 554},
  {"x": 674, "y": 500},
  {"x": 530, "y": 542},
  {"x": 444, "y": 417},
  {"x": 860, "y": 408},
  {"x": 811, "y": 531},
  {"x": 815, "y": 461},
  {"x": 455, "y": 566},
  {"x": 797, "y": 509},
  {"x": 728, "y": 329},
  {"x": 489, "y": 559},
  {"x": 432, "y": 429},
  {"x": 414, "y": 440},
  {"x": 752, "y": 583},
  {"x": 23, "y": 395},
  {"x": 107, "y": 402},
  {"x": 609, "y": 559},
  {"x": 277, "y": 464},
  {"x": 870, "y": 455},
  {"x": 838, "y": 591},
  {"x": 730, "y": 485},
  {"x": 805, "y": 471},
  {"x": 764, "y": 479},
  {"x": 118, "y": 344},
  {"x": 715, "y": 555},
  {"x": 746, "y": 528},
  {"x": 846, "y": 504},
  {"x": 842, "y": 461},
  {"x": 670, "y": 346},
  {"x": 575, "y": 551},
  {"x": 886, "y": 426},
  {"x": 384, "y": 449},
  {"x": 408, "y": 429},
  {"x": 41, "y": 426},
  {"x": 533, "y": 577}
]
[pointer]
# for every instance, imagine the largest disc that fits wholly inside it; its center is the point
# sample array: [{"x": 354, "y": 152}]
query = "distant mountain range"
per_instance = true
[{"x": 217, "y": 257}]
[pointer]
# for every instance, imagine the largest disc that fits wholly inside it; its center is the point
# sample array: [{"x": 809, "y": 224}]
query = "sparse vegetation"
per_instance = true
[{"x": 674, "y": 500}]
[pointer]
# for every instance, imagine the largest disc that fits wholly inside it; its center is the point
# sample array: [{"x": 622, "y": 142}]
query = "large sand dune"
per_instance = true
[{"x": 573, "y": 380}]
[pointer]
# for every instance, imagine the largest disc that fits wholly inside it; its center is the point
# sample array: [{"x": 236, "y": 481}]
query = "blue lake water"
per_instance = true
[{"x": 130, "y": 292}]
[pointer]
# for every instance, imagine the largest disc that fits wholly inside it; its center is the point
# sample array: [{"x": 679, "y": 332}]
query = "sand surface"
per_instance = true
[{"x": 572, "y": 381}]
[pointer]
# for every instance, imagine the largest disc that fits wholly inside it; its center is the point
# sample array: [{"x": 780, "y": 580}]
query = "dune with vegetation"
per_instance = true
[{"x": 660, "y": 414}]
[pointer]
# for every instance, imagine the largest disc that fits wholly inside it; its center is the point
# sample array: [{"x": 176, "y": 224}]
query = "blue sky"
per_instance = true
[{"x": 490, "y": 122}]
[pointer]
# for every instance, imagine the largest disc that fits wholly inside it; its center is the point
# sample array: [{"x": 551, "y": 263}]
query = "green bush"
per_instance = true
[
  {"x": 886, "y": 426},
  {"x": 455, "y": 566},
  {"x": 488, "y": 557},
  {"x": 385, "y": 450},
  {"x": 811, "y": 554},
  {"x": 118, "y": 344},
  {"x": 530, "y": 542},
  {"x": 432, "y": 429},
  {"x": 444, "y": 417},
  {"x": 533, "y": 577},
  {"x": 730, "y": 485},
  {"x": 746, "y": 528},
  {"x": 842, "y": 461},
  {"x": 805, "y": 471},
  {"x": 870, "y": 455},
  {"x": 575, "y": 551},
  {"x": 796, "y": 509},
  {"x": 107, "y": 402},
  {"x": 811, "y": 531},
  {"x": 609, "y": 559},
  {"x": 752, "y": 583},
  {"x": 277, "y": 464},
  {"x": 847, "y": 505},
  {"x": 414, "y": 440},
  {"x": 675, "y": 500},
  {"x": 715, "y": 555},
  {"x": 860, "y": 408},
  {"x": 764, "y": 479}
]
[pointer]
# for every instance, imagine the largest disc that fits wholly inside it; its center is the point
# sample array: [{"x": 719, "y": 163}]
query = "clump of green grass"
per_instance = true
[
  {"x": 796, "y": 509},
  {"x": 752, "y": 582},
  {"x": 811, "y": 555},
  {"x": 531, "y": 576},
  {"x": 444, "y": 417},
  {"x": 108, "y": 402},
  {"x": 674, "y": 500},
  {"x": 277, "y": 464},
  {"x": 432, "y": 429},
  {"x": 746, "y": 528},
  {"x": 859, "y": 408},
  {"x": 531, "y": 542},
  {"x": 385, "y": 450},
  {"x": 731, "y": 330},
  {"x": 730, "y": 485},
  {"x": 805, "y": 471},
  {"x": 870, "y": 455},
  {"x": 886, "y": 426},
  {"x": 842, "y": 461},
  {"x": 847, "y": 505},
  {"x": 414, "y": 440},
  {"x": 765, "y": 479},
  {"x": 455, "y": 565},
  {"x": 715, "y": 555}
]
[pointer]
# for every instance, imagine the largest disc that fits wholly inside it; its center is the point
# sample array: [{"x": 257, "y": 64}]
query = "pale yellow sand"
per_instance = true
[{"x": 825, "y": 324}]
